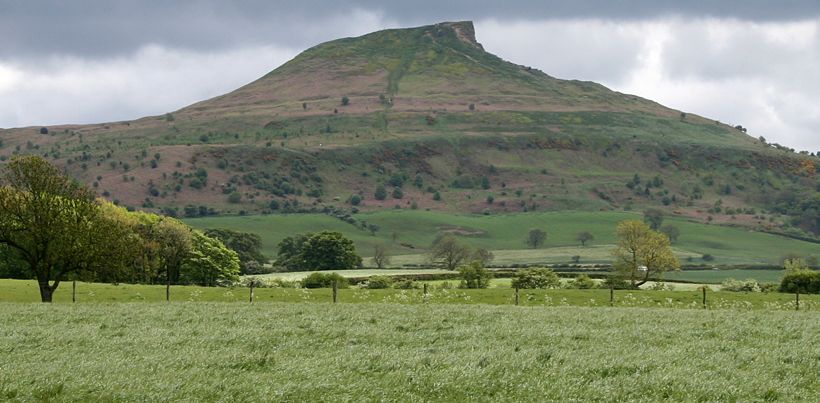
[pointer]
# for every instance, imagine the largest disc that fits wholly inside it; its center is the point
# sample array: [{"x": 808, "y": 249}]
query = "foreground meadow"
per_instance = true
[{"x": 324, "y": 352}]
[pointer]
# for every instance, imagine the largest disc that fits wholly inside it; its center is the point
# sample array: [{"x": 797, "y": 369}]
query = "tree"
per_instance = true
[
  {"x": 289, "y": 256},
  {"x": 381, "y": 193},
  {"x": 329, "y": 250},
  {"x": 209, "y": 262},
  {"x": 536, "y": 238},
  {"x": 380, "y": 256},
  {"x": 584, "y": 237},
  {"x": 55, "y": 225},
  {"x": 672, "y": 232},
  {"x": 246, "y": 245},
  {"x": 653, "y": 218},
  {"x": 474, "y": 275},
  {"x": 448, "y": 252},
  {"x": 642, "y": 253},
  {"x": 345, "y": 101},
  {"x": 175, "y": 243},
  {"x": 397, "y": 193},
  {"x": 482, "y": 256}
]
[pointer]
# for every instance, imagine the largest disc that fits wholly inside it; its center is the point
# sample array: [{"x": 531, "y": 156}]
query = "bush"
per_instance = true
[
  {"x": 323, "y": 280},
  {"x": 536, "y": 278},
  {"x": 749, "y": 285},
  {"x": 474, "y": 275},
  {"x": 806, "y": 281},
  {"x": 405, "y": 285},
  {"x": 583, "y": 282},
  {"x": 616, "y": 282},
  {"x": 378, "y": 282}
]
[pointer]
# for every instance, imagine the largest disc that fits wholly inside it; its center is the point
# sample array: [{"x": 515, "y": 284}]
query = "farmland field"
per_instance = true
[
  {"x": 408, "y": 233},
  {"x": 321, "y": 352}
]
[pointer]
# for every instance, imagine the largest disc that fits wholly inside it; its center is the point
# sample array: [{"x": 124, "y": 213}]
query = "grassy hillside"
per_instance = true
[
  {"x": 408, "y": 234},
  {"x": 443, "y": 125},
  {"x": 317, "y": 352}
]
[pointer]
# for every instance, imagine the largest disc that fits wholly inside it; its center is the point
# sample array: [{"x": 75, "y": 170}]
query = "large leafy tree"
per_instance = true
[
  {"x": 246, "y": 245},
  {"x": 289, "y": 256},
  {"x": 329, "y": 250},
  {"x": 209, "y": 262},
  {"x": 55, "y": 225},
  {"x": 642, "y": 253},
  {"x": 318, "y": 251}
]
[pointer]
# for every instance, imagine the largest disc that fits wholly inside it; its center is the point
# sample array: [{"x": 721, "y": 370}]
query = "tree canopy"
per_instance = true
[
  {"x": 245, "y": 244},
  {"x": 318, "y": 251},
  {"x": 55, "y": 225},
  {"x": 642, "y": 253},
  {"x": 53, "y": 228}
]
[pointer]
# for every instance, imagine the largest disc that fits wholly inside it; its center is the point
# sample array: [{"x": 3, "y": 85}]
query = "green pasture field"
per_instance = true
[
  {"x": 415, "y": 230},
  {"x": 392, "y": 352},
  {"x": 721, "y": 275},
  {"x": 685, "y": 297}
]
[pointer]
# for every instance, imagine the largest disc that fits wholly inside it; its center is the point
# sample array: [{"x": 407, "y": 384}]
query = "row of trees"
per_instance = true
[
  {"x": 52, "y": 227},
  {"x": 536, "y": 238}
]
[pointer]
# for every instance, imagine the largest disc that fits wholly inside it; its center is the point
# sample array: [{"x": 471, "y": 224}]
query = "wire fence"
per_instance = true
[{"x": 702, "y": 298}]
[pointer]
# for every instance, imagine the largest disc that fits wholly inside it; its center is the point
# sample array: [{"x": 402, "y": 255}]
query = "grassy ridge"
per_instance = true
[
  {"x": 506, "y": 234},
  {"x": 320, "y": 352}
]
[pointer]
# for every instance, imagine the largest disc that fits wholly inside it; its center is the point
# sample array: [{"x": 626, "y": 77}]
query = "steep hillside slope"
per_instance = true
[{"x": 439, "y": 123}]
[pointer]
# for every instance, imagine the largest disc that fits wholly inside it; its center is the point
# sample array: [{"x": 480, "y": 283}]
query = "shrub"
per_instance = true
[
  {"x": 234, "y": 198},
  {"x": 345, "y": 101},
  {"x": 616, "y": 282},
  {"x": 355, "y": 200},
  {"x": 380, "y": 193},
  {"x": 583, "y": 282},
  {"x": 379, "y": 282},
  {"x": 707, "y": 257},
  {"x": 536, "y": 278},
  {"x": 323, "y": 280},
  {"x": 474, "y": 275},
  {"x": 405, "y": 285},
  {"x": 806, "y": 281},
  {"x": 749, "y": 285}
]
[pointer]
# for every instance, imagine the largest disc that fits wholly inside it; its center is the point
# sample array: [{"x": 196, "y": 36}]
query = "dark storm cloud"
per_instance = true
[{"x": 106, "y": 27}]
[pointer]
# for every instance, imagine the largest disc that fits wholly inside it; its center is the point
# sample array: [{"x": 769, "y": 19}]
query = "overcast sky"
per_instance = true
[{"x": 754, "y": 63}]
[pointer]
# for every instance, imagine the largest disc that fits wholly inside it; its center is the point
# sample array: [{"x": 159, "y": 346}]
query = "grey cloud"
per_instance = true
[
  {"x": 576, "y": 49},
  {"x": 105, "y": 27}
]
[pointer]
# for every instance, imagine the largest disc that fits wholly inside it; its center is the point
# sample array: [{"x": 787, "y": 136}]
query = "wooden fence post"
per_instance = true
[
  {"x": 516, "y": 296},
  {"x": 168, "y": 291},
  {"x": 426, "y": 295},
  {"x": 335, "y": 291},
  {"x": 797, "y": 299},
  {"x": 704, "y": 297},
  {"x": 611, "y": 293},
  {"x": 251, "y": 286},
  {"x": 74, "y": 291}
]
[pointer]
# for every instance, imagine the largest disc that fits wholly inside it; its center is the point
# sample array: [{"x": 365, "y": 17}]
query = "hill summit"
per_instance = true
[{"x": 426, "y": 118}]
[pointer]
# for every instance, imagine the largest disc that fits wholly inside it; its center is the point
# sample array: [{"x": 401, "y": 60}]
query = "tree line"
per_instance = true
[{"x": 53, "y": 228}]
